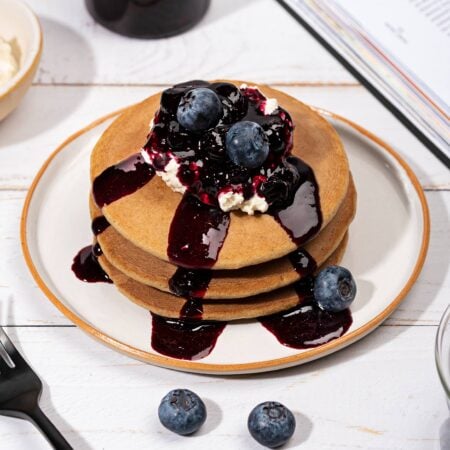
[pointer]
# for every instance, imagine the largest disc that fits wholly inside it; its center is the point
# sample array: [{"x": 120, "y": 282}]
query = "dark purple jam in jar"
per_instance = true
[{"x": 147, "y": 18}]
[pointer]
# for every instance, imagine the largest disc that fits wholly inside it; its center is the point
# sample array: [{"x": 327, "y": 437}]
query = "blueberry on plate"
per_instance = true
[
  {"x": 247, "y": 144},
  {"x": 271, "y": 424},
  {"x": 182, "y": 411},
  {"x": 334, "y": 289},
  {"x": 199, "y": 109}
]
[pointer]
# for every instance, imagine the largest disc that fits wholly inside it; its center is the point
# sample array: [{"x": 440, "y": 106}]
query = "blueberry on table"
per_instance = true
[
  {"x": 182, "y": 411},
  {"x": 247, "y": 144},
  {"x": 334, "y": 289},
  {"x": 271, "y": 424},
  {"x": 199, "y": 109}
]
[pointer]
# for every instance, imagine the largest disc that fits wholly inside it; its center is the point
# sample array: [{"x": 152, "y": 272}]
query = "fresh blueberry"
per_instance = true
[
  {"x": 279, "y": 189},
  {"x": 199, "y": 109},
  {"x": 182, "y": 411},
  {"x": 247, "y": 144},
  {"x": 271, "y": 424},
  {"x": 334, "y": 288}
]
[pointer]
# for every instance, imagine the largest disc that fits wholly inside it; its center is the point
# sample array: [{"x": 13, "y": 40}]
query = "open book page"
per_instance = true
[
  {"x": 402, "y": 48},
  {"x": 414, "y": 35}
]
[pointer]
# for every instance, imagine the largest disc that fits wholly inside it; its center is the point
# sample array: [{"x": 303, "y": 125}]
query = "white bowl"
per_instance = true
[{"x": 19, "y": 25}]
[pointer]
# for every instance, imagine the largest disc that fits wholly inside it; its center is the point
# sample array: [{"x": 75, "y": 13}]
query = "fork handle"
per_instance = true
[{"x": 54, "y": 437}]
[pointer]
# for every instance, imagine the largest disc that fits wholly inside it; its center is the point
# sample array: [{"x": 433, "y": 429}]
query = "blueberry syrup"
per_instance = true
[
  {"x": 184, "y": 339},
  {"x": 192, "y": 309},
  {"x": 303, "y": 263},
  {"x": 191, "y": 284},
  {"x": 188, "y": 337},
  {"x": 121, "y": 179},
  {"x": 302, "y": 218},
  {"x": 204, "y": 166},
  {"x": 86, "y": 266},
  {"x": 197, "y": 233},
  {"x": 284, "y": 181},
  {"x": 99, "y": 225},
  {"x": 306, "y": 325}
]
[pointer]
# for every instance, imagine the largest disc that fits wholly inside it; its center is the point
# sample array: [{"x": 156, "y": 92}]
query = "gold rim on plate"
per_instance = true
[{"x": 271, "y": 364}]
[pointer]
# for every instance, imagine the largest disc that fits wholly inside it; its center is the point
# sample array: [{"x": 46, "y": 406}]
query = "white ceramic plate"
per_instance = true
[{"x": 389, "y": 236}]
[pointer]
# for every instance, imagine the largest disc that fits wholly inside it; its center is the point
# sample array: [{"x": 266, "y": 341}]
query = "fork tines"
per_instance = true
[{"x": 8, "y": 352}]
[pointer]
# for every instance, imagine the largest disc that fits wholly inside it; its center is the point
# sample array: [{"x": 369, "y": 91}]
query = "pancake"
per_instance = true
[
  {"x": 169, "y": 305},
  {"x": 144, "y": 217},
  {"x": 225, "y": 284}
]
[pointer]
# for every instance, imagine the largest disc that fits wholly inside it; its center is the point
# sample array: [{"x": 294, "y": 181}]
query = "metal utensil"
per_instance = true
[{"x": 20, "y": 390}]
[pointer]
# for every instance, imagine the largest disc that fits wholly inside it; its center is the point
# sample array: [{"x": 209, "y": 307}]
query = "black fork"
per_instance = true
[{"x": 20, "y": 390}]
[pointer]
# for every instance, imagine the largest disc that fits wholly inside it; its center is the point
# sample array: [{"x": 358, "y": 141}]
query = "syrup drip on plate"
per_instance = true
[
  {"x": 306, "y": 325},
  {"x": 121, "y": 179},
  {"x": 188, "y": 337},
  {"x": 197, "y": 233},
  {"x": 184, "y": 339},
  {"x": 86, "y": 266}
]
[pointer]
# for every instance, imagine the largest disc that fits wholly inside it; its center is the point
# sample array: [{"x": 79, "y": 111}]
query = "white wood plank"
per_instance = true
[
  {"x": 50, "y": 114},
  {"x": 381, "y": 393},
  {"x": 28, "y": 306},
  {"x": 238, "y": 39}
]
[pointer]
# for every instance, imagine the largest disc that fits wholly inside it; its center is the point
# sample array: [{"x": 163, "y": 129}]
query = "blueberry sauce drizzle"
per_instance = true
[
  {"x": 121, "y": 179},
  {"x": 188, "y": 337},
  {"x": 191, "y": 284},
  {"x": 205, "y": 168},
  {"x": 192, "y": 309},
  {"x": 197, "y": 233},
  {"x": 306, "y": 325},
  {"x": 301, "y": 219},
  {"x": 99, "y": 225},
  {"x": 86, "y": 267},
  {"x": 184, "y": 339},
  {"x": 303, "y": 263},
  {"x": 287, "y": 183}
]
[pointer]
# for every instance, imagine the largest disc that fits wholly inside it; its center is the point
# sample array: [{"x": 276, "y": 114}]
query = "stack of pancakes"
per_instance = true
[{"x": 253, "y": 275}]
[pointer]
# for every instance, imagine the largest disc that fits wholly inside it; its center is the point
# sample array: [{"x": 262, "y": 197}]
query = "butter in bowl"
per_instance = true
[{"x": 20, "y": 52}]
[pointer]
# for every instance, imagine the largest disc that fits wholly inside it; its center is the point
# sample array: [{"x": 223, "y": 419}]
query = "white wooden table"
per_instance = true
[{"x": 381, "y": 393}]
